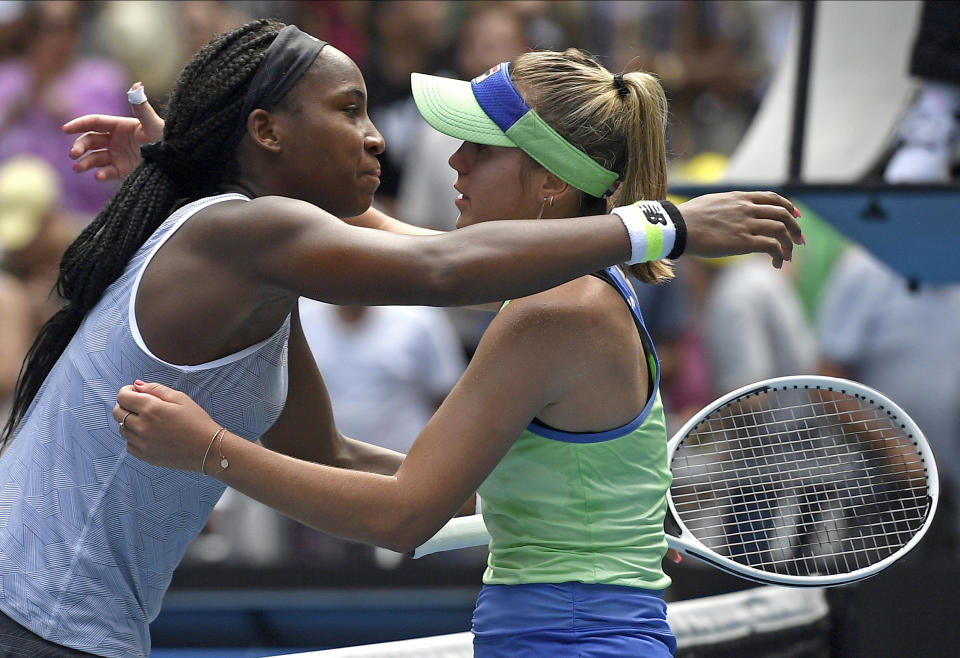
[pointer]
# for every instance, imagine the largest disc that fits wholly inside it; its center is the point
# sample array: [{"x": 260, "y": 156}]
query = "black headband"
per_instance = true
[{"x": 288, "y": 58}]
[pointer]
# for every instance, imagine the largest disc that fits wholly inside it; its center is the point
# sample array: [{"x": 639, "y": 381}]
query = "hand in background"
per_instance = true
[{"x": 111, "y": 144}]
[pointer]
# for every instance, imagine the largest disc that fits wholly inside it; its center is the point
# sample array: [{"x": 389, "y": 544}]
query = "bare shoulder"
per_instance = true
[
  {"x": 237, "y": 228},
  {"x": 260, "y": 215},
  {"x": 572, "y": 310}
]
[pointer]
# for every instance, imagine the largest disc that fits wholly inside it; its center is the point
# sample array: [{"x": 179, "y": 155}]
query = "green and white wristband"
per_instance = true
[{"x": 656, "y": 230}]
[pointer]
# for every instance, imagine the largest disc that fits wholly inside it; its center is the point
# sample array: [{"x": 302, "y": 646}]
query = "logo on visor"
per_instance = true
[{"x": 480, "y": 78}]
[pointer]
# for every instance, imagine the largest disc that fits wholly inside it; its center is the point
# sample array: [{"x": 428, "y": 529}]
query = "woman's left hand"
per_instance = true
[
  {"x": 164, "y": 427},
  {"x": 111, "y": 144}
]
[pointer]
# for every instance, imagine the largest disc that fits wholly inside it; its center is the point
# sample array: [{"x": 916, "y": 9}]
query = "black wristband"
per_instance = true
[{"x": 680, "y": 242}]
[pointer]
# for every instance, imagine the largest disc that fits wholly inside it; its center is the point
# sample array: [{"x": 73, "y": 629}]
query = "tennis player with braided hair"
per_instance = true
[{"x": 557, "y": 420}]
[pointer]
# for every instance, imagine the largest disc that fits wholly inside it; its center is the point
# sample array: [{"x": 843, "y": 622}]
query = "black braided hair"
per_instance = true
[{"x": 203, "y": 112}]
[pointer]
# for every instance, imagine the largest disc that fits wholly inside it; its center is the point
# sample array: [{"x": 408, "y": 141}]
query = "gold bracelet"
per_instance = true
[
  {"x": 203, "y": 463},
  {"x": 223, "y": 460}
]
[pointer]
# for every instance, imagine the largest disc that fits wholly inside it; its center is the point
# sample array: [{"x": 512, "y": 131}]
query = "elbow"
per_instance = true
[
  {"x": 404, "y": 532},
  {"x": 404, "y": 539}
]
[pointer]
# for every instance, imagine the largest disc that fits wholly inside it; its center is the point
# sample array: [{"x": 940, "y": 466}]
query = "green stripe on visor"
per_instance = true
[{"x": 560, "y": 157}]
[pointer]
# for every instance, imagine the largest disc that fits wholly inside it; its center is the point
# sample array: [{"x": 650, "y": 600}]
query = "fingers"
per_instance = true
[
  {"x": 158, "y": 391},
  {"x": 90, "y": 153},
  {"x": 102, "y": 123},
  {"x": 91, "y": 160},
  {"x": 770, "y": 205},
  {"x": 89, "y": 141},
  {"x": 782, "y": 242},
  {"x": 118, "y": 412},
  {"x": 129, "y": 399},
  {"x": 150, "y": 121}
]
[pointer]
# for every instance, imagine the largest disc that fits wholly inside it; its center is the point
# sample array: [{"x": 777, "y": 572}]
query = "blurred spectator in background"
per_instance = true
[
  {"x": 710, "y": 56},
  {"x": 341, "y": 22},
  {"x": 45, "y": 84},
  {"x": 490, "y": 34},
  {"x": 154, "y": 40},
  {"x": 929, "y": 136},
  {"x": 407, "y": 36},
  {"x": 17, "y": 333},
  {"x": 34, "y": 231},
  {"x": 387, "y": 368},
  {"x": 874, "y": 328},
  {"x": 750, "y": 319},
  {"x": 751, "y": 322},
  {"x": 670, "y": 316}
]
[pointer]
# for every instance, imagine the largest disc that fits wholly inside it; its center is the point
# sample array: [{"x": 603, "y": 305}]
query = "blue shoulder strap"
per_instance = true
[{"x": 616, "y": 278}]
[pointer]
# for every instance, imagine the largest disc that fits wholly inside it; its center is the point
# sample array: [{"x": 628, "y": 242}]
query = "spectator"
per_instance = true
[
  {"x": 34, "y": 232},
  {"x": 407, "y": 37},
  {"x": 751, "y": 322},
  {"x": 387, "y": 368},
  {"x": 874, "y": 329},
  {"x": 709, "y": 56},
  {"x": 17, "y": 332},
  {"x": 930, "y": 133},
  {"x": 47, "y": 84},
  {"x": 490, "y": 34}
]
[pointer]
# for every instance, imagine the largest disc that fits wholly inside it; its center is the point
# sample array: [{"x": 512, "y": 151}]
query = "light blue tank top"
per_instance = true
[{"x": 90, "y": 535}]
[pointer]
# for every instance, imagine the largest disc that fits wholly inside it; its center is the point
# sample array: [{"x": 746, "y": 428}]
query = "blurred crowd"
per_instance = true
[{"x": 719, "y": 325}]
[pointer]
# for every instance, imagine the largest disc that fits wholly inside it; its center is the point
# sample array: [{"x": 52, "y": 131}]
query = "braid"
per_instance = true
[{"x": 204, "y": 110}]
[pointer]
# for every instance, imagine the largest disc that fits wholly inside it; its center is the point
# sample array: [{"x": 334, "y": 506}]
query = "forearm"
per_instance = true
[
  {"x": 374, "y": 218},
  {"x": 340, "y": 451},
  {"x": 360, "y": 456},
  {"x": 493, "y": 261},
  {"x": 368, "y": 507}
]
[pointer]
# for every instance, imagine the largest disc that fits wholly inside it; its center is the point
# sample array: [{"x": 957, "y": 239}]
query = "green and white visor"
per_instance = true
[{"x": 489, "y": 110}]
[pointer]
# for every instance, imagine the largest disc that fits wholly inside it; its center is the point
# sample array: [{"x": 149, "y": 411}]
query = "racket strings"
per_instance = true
[{"x": 801, "y": 482}]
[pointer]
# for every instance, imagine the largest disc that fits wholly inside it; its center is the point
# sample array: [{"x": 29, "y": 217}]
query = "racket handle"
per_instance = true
[{"x": 459, "y": 532}]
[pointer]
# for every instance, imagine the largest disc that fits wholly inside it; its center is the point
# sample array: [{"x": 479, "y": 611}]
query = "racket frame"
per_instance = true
[{"x": 688, "y": 544}]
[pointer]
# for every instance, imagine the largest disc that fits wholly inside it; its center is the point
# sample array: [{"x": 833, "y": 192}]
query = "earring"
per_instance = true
[{"x": 542, "y": 204}]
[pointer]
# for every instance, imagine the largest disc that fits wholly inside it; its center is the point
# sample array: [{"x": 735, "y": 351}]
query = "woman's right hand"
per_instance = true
[
  {"x": 730, "y": 223},
  {"x": 111, "y": 144},
  {"x": 164, "y": 427}
]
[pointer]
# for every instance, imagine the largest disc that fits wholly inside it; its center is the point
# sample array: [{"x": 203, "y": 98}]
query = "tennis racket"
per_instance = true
[{"x": 803, "y": 481}]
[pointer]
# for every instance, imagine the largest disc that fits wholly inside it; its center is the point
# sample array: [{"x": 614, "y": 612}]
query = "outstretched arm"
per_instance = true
[{"x": 721, "y": 224}]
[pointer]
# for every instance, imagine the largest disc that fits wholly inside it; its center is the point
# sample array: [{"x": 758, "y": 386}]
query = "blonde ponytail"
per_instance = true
[{"x": 620, "y": 123}]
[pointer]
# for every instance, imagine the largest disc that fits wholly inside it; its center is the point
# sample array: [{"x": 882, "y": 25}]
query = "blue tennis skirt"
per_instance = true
[{"x": 571, "y": 619}]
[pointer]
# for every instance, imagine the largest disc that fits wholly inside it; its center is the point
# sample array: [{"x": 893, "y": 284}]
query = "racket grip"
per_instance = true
[{"x": 459, "y": 532}]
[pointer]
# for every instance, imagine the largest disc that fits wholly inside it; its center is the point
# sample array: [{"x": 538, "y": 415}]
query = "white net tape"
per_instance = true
[{"x": 697, "y": 622}]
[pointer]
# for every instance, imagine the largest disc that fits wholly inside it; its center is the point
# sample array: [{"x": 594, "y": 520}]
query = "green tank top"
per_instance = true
[{"x": 565, "y": 507}]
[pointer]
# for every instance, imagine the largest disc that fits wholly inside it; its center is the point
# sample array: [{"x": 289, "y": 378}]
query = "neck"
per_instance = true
[{"x": 245, "y": 186}]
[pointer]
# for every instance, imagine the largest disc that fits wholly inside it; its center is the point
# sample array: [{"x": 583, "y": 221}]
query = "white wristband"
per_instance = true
[
  {"x": 479, "y": 510},
  {"x": 651, "y": 229}
]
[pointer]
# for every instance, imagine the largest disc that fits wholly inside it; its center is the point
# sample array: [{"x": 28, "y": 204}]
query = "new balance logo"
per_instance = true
[{"x": 653, "y": 212}]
